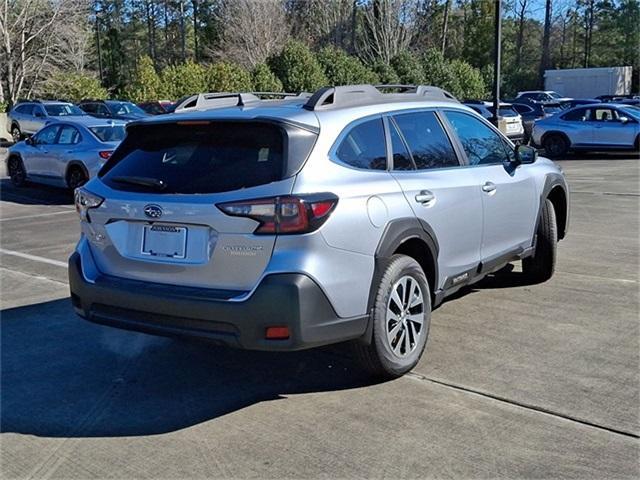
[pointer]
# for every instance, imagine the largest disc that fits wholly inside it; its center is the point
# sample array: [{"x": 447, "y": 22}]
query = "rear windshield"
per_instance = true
[
  {"x": 198, "y": 158},
  {"x": 505, "y": 111},
  {"x": 109, "y": 133}
]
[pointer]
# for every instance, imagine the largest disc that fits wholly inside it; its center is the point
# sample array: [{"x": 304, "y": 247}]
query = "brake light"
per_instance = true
[
  {"x": 105, "y": 154},
  {"x": 84, "y": 201},
  {"x": 289, "y": 214}
]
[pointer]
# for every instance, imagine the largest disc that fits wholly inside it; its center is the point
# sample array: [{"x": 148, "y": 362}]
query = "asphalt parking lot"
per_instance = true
[{"x": 517, "y": 381}]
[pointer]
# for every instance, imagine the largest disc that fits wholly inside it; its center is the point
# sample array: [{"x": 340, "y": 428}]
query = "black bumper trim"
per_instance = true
[{"x": 292, "y": 300}]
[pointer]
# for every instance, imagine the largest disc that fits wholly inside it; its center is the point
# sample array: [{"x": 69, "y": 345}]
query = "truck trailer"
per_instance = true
[{"x": 589, "y": 82}]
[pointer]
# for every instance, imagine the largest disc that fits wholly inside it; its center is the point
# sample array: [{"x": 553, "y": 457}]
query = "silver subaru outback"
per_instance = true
[{"x": 346, "y": 215}]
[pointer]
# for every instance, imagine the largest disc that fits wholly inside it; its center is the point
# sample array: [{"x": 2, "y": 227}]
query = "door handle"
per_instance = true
[
  {"x": 489, "y": 187},
  {"x": 425, "y": 196}
]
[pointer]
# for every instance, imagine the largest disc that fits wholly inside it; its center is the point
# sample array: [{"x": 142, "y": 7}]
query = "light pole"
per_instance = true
[
  {"x": 497, "y": 42},
  {"x": 97, "y": 10}
]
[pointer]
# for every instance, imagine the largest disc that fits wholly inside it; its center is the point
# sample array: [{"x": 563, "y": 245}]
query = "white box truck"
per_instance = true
[{"x": 589, "y": 82}]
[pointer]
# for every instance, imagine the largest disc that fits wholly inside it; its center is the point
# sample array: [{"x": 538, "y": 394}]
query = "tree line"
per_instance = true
[{"x": 148, "y": 49}]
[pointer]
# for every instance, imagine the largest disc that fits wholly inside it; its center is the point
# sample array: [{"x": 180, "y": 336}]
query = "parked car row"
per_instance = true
[
  {"x": 560, "y": 124},
  {"x": 67, "y": 144}
]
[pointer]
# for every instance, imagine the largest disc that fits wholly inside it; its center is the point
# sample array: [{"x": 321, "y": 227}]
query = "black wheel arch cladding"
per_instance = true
[{"x": 402, "y": 235}]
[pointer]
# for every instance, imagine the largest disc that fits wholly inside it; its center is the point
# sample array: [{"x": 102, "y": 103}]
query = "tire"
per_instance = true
[
  {"x": 540, "y": 267},
  {"x": 76, "y": 177},
  {"x": 398, "y": 337},
  {"x": 17, "y": 172},
  {"x": 16, "y": 133},
  {"x": 555, "y": 145}
]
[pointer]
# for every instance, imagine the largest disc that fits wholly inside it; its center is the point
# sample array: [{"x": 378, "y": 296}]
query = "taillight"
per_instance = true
[
  {"x": 284, "y": 215},
  {"x": 105, "y": 154},
  {"x": 85, "y": 201}
]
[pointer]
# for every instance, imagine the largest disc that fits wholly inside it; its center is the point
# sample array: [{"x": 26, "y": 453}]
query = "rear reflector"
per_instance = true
[
  {"x": 277, "y": 333},
  {"x": 288, "y": 214},
  {"x": 105, "y": 154}
]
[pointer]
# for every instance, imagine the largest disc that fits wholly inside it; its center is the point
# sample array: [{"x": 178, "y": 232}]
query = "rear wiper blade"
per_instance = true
[{"x": 148, "y": 182}]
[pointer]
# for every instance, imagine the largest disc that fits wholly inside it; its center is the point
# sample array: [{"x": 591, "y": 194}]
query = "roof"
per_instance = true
[
  {"x": 44, "y": 102},
  {"x": 343, "y": 104},
  {"x": 86, "y": 121}
]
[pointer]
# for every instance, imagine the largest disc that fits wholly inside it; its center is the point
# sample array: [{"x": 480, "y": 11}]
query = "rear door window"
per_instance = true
[
  {"x": 25, "y": 109},
  {"x": 364, "y": 146},
  {"x": 427, "y": 140},
  {"x": 210, "y": 158},
  {"x": 577, "y": 115},
  {"x": 68, "y": 135}
]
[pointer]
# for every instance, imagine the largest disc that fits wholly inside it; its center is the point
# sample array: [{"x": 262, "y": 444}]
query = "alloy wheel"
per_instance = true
[
  {"x": 15, "y": 134},
  {"x": 16, "y": 171},
  {"x": 77, "y": 178},
  {"x": 405, "y": 316}
]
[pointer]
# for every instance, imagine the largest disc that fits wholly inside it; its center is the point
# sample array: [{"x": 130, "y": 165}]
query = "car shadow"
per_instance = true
[
  {"x": 64, "y": 377},
  {"x": 34, "y": 194},
  {"x": 506, "y": 277},
  {"x": 598, "y": 156}
]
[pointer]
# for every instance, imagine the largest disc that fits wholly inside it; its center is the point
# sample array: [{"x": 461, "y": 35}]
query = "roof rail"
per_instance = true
[
  {"x": 396, "y": 86},
  {"x": 351, "y": 95},
  {"x": 281, "y": 94},
  {"x": 213, "y": 100},
  {"x": 343, "y": 96}
]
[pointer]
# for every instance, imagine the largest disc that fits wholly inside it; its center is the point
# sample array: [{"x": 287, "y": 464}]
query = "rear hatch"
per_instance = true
[
  {"x": 159, "y": 221},
  {"x": 510, "y": 122}
]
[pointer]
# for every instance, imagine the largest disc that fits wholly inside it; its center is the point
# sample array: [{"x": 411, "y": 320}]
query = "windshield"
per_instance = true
[
  {"x": 109, "y": 133},
  {"x": 126, "y": 108},
  {"x": 61, "y": 110},
  {"x": 555, "y": 95},
  {"x": 632, "y": 110},
  {"x": 551, "y": 109}
]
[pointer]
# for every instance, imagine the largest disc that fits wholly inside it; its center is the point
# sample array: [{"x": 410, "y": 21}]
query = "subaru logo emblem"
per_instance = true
[{"x": 153, "y": 211}]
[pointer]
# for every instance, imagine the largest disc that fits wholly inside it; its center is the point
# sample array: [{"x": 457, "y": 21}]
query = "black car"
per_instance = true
[
  {"x": 118, "y": 109},
  {"x": 574, "y": 102},
  {"x": 159, "y": 107},
  {"x": 618, "y": 98}
]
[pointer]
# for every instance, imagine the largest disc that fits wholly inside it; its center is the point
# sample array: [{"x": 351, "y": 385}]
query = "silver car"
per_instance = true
[
  {"x": 596, "y": 127},
  {"x": 26, "y": 118},
  {"x": 65, "y": 153},
  {"x": 289, "y": 224}
]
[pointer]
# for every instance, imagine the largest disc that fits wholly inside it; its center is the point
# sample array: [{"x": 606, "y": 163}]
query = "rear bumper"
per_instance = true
[{"x": 291, "y": 300}]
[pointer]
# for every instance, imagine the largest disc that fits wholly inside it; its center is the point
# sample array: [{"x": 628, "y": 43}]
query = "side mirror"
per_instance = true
[
  {"x": 38, "y": 114},
  {"x": 525, "y": 154},
  {"x": 29, "y": 141},
  {"x": 623, "y": 119}
]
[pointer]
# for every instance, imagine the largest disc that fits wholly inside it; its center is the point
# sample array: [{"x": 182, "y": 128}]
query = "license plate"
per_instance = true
[
  {"x": 164, "y": 241},
  {"x": 512, "y": 127}
]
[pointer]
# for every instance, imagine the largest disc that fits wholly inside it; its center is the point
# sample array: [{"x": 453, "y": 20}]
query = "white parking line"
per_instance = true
[
  {"x": 36, "y": 215},
  {"x": 35, "y": 258}
]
